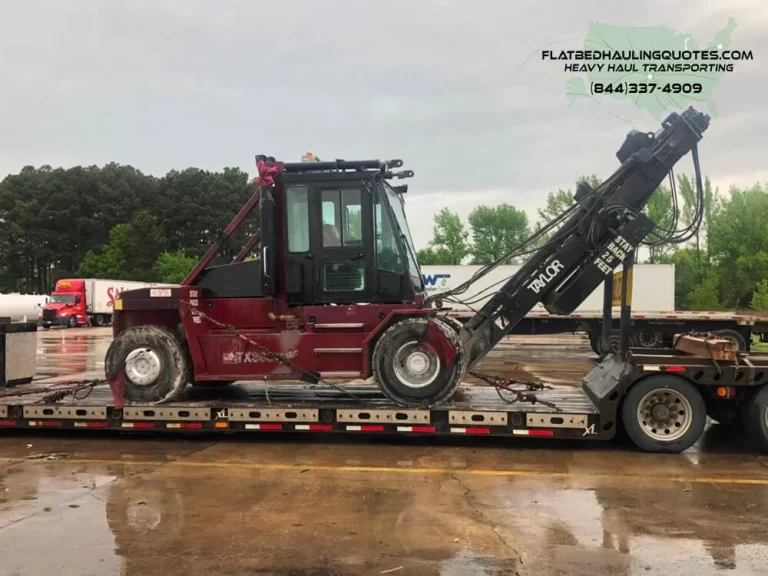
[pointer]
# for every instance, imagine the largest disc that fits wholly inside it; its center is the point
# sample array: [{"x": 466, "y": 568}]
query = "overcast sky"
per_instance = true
[{"x": 169, "y": 84}]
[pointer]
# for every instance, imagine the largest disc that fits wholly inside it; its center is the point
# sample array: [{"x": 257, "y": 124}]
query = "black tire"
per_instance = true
[
  {"x": 98, "y": 320},
  {"x": 648, "y": 339},
  {"x": 756, "y": 419},
  {"x": 650, "y": 435},
  {"x": 174, "y": 368},
  {"x": 734, "y": 336},
  {"x": 595, "y": 342},
  {"x": 403, "y": 336},
  {"x": 72, "y": 322}
]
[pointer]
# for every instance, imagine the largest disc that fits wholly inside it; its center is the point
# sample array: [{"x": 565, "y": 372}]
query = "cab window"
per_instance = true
[
  {"x": 297, "y": 208},
  {"x": 342, "y": 218}
]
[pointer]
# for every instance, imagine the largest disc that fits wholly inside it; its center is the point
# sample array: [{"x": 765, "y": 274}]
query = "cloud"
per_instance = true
[{"x": 170, "y": 84}]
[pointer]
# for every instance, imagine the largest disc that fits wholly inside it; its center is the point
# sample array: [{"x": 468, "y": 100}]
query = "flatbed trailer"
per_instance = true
[
  {"x": 648, "y": 329},
  {"x": 565, "y": 412}
]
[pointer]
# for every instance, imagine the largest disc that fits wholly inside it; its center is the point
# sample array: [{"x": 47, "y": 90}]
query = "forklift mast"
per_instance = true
[{"x": 605, "y": 226}]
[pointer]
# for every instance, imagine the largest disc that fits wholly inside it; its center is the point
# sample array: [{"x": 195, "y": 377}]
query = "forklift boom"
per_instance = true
[{"x": 606, "y": 225}]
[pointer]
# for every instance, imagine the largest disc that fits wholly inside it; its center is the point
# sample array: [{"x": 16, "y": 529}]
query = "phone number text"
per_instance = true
[{"x": 644, "y": 88}]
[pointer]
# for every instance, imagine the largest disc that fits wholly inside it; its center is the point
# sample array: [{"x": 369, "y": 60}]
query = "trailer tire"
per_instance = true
[
  {"x": 154, "y": 362},
  {"x": 675, "y": 425},
  {"x": 735, "y": 337},
  {"x": 648, "y": 339},
  {"x": 426, "y": 381},
  {"x": 756, "y": 419},
  {"x": 595, "y": 341}
]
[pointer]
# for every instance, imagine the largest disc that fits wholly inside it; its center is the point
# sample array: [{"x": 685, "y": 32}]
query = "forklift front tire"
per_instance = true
[
  {"x": 411, "y": 374},
  {"x": 155, "y": 363},
  {"x": 664, "y": 413}
]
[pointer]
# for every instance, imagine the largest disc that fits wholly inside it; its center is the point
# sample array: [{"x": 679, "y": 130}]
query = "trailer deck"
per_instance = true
[
  {"x": 255, "y": 406},
  {"x": 560, "y": 411}
]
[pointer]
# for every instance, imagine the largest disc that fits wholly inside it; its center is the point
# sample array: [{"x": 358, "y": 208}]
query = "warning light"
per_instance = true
[
  {"x": 722, "y": 391},
  {"x": 310, "y": 157}
]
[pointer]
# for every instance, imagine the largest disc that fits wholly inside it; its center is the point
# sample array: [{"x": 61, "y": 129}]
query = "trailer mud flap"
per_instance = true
[{"x": 604, "y": 386}]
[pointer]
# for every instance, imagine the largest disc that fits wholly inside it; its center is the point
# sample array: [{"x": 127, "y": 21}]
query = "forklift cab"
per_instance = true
[{"x": 330, "y": 233}]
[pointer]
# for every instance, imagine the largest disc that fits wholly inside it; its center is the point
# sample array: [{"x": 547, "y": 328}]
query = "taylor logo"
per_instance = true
[{"x": 541, "y": 281}]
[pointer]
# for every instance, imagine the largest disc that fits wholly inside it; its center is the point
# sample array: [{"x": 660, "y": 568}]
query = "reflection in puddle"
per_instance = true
[
  {"x": 55, "y": 524},
  {"x": 686, "y": 530}
]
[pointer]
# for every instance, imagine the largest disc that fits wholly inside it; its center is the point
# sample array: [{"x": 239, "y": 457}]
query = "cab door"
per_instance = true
[{"x": 342, "y": 237}]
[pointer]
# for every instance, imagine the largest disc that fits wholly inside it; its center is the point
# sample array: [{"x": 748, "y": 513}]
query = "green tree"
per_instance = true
[
  {"x": 433, "y": 257},
  {"x": 760, "y": 296},
  {"x": 738, "y": 244},
  {"x": 497, "y": 230},
  {"x": 173, "y": 267},
  {"x": 109, "y": 261},
  {"x": 660, "y": 210},
  {"x": 449, "y": 242}
]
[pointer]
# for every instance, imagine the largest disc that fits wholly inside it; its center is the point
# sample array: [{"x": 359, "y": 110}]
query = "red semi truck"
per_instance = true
[{"x": 85, "y": 301}]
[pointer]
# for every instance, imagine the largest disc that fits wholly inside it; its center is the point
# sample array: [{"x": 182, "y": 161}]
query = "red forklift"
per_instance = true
[{"x": 335, "y": 294}]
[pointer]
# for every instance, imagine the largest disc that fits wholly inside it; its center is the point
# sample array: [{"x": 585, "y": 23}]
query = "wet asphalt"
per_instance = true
[{"x": 299, "y": 505}]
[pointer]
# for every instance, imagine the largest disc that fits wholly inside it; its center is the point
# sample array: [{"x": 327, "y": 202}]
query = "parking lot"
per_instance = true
[{"x": 78, "y": 503}]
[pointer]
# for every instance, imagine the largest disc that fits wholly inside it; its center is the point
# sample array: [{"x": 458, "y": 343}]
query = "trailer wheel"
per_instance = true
[
  {"x": 596, "y": 338},
  {"x": 98, "y": 320},
  {"x": 756, "y": 419},
  {"x": 648, "y": 339},
  {"x": 411, "y": 374},
  {"x": 155, "y": 363},
  {"x": 735, "y": 337},
  {"x": 664, "y": 414}
]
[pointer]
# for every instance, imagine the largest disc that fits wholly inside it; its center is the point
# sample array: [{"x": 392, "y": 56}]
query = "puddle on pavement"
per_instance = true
[
  {"x": 68, "y": 353},
  {"x": 683, "y": 529},
  {"x": 55, "y": 523},
  {"x": 177, "y": 520}
]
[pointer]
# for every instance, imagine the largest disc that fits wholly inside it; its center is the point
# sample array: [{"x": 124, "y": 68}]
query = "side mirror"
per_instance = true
[{"x": 77, "y": 300}]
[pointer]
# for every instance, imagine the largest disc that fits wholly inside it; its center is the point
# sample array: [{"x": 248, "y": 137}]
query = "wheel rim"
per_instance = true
[
  {"x": 647, "y": 339},
  {"x": 415, "y": 367},
  {"x": 665, "y": 414},
  {"x": 143, "y": 366}
]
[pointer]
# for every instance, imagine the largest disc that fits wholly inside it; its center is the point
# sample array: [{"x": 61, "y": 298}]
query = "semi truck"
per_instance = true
[
  {"x": 652, "y": 295},
  {"x": 330, "y": 329},
  {"x": 85, "y": 301}
]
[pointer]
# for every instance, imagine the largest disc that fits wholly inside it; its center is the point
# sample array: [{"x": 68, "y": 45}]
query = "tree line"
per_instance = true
[
  {"x": 117, "y": 222},
  {"x": 724, "y": 266},
  {"x": 113, "y": 222}
]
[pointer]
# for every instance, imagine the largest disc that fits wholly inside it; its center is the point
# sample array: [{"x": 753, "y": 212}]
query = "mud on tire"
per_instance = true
[
  {"x": 412, "y": 376},
  {"x": 163, "y": 371}
]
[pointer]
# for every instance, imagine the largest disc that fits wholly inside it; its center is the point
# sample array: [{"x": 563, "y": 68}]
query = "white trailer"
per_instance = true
[
  {"x": 653, "y": 287},
  {"x": 22, "y": 307}
]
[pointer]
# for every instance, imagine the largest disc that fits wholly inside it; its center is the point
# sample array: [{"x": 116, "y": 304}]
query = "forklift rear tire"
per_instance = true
[
  {"x": 756, "y": 419},
  {"x": 664, "y": 413},
  {"x": 411, "y": 375},
  {"x": 154, "y": 360}
]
